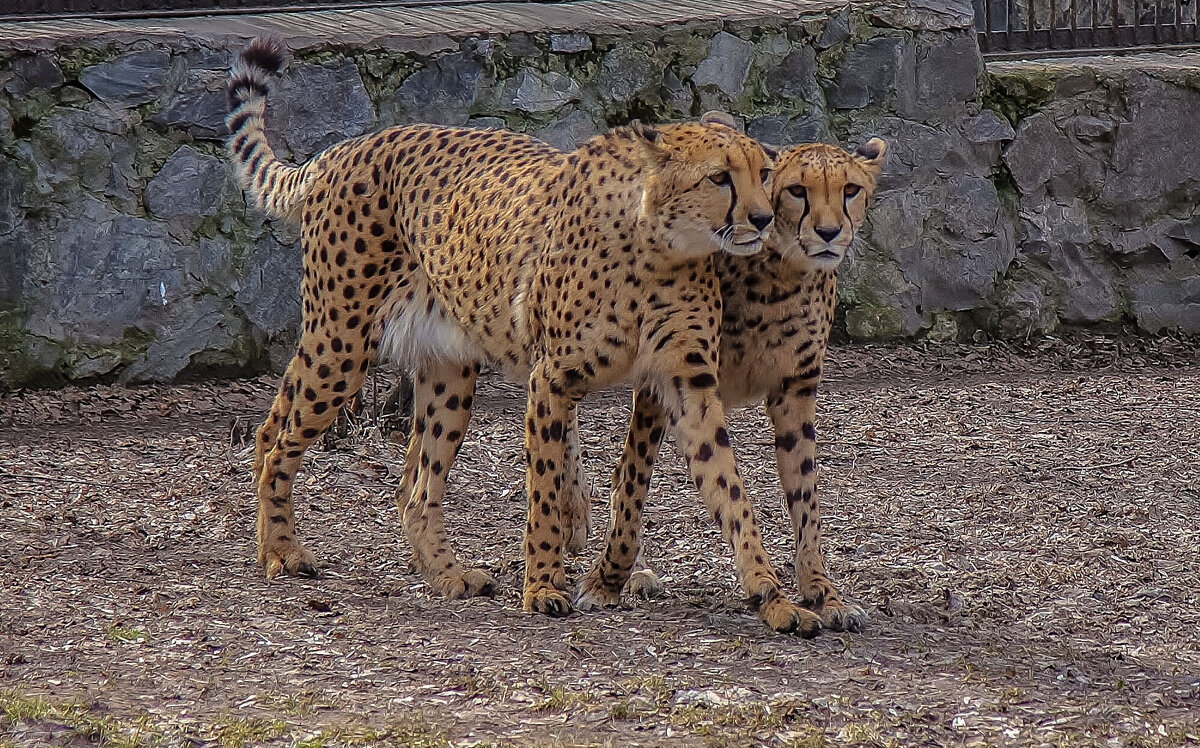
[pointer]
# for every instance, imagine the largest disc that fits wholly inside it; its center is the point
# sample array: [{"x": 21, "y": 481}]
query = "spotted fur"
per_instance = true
[
  {"x": 777, "y": 316},
  {"x": 450, "y": 247}
]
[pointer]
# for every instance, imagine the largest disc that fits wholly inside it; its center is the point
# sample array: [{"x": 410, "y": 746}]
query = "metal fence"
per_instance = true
[{"x": 1010, "y": 28}]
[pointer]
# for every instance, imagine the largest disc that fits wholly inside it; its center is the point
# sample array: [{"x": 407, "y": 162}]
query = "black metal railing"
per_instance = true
[
  {"x": 33, "y": 10},
  {"x": 1021, "y": 27}
]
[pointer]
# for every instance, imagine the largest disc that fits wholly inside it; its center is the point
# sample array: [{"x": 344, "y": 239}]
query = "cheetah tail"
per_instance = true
[{"x": 276, "y": 188}]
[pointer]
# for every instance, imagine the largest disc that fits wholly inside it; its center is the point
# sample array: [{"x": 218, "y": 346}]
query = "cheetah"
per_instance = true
[
  {"x": 778, "y": 309},
  {"x": 444, "y": 248}
]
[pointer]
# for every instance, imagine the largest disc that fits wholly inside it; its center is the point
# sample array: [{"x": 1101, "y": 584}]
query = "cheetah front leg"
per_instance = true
[
  {"x": 701, "y": 435},
  {"x": 442, "y": 399},
  {"x": 546, "y": 436},
  {"x": 630, "y": 485},
  {"x": 793, "y": 413}
]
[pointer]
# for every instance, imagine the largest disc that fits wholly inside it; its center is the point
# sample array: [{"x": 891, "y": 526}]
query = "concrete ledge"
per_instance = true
[{"x": 407, "y": 29}]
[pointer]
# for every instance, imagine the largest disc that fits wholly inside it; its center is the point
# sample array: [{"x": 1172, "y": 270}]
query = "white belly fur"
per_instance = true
[{"x": 417, "y": 335}]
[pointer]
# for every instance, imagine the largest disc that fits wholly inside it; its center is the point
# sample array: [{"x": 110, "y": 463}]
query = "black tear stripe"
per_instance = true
[{"x": 732, "y": 202}]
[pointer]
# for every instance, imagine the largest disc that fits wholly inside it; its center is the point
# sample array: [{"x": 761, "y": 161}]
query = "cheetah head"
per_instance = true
[
  {"x": 706, "y": 189},
  {"x": 821, "y": 194}
]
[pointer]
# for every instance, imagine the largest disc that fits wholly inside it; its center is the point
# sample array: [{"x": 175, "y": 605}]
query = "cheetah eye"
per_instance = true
[
  {"x": 765, "y": 174},
  {"x": 797, "y": 191},
  {"x": 721, "y": 179},
  {"x": 852, "y": 190}
]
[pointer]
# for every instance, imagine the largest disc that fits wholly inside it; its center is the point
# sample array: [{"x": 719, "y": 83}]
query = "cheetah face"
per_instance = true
[
  {"x": 708, "y": 192},
  {"x": 821, "y": 194}
]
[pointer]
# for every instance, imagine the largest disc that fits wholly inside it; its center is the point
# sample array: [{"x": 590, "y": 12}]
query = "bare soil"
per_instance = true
[{"x": 1023, "y": 526}]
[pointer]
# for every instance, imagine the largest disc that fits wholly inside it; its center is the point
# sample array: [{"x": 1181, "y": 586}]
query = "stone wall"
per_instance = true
[{"x": 1012, "y": 202}]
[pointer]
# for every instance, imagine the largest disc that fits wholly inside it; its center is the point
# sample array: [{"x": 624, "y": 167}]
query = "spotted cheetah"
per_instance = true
[
  {"x": 442, "y": 248},
  {"x": 778, "y": 311}
]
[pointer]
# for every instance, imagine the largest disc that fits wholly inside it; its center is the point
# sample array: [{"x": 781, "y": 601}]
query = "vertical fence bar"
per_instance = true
[
  {"x": 1053, "y": 22},
  {"x": 1095, "y": 42},
  {"x": 1178, "y": 33},
  {"x": 1116, "y": 22},
  {"x": 1011, "y": 8},
  {"x": 1074, "y": 30},
  {"x": 987, "y": 25},
  {"x": 1031, "y": 17},
  {"x": 1158, "y": 21}
]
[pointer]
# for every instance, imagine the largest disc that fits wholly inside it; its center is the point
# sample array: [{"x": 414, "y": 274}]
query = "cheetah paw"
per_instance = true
[
  {"x": 470, "y": 583},
  {"x": 546, "y": 600},
  {"x": 843, "y": 617},
  {"x": 786, "y": 617},
  {"x": 644, "y": 583},
  {"x": 294, "y": 561},
  {"x": 594, "y": 594}
]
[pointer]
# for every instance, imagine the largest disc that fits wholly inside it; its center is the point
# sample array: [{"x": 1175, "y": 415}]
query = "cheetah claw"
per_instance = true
[
  {"x": 843, "y": 617},
  {"x": 548, "y": 601}
]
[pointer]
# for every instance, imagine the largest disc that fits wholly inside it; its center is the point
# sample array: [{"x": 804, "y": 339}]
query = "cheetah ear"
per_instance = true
[
  {"x": 717, "y": 117},
  {"x": 871, "y": 153},
  {"x": 654, "y": 152}
]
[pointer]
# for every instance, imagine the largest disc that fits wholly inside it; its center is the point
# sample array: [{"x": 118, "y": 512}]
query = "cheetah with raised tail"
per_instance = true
[
  {"x": 778, "y": 312},
  {"x": 442, "y": 248}
]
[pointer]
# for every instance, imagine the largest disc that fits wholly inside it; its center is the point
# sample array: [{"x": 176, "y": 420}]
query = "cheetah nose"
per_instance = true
[
  {"x": 828, "y": 233},
  {"x": 761, "y": 220}
]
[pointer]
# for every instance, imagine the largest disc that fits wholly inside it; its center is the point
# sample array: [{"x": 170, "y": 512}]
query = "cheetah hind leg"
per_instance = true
[
  {"x": 577, "y": 501},
  {"x": 442, "y": 406}
]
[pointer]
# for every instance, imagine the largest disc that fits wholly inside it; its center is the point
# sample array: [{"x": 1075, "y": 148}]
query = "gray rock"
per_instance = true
[
  {"x": 727, "y": 65},
  {"x": 1026, "y": 305},
  {"x": 75, "y": 148},
  {"x": 569, "y": 132},
  {"x": 987, "y": 127},
  {"x": 201, "y": 334},
  {"x": 1151, "y": 156},
  {"x": 627, "y": 73},
  {"x": 496, "y": 123},
  {"x": 443, "y": 92},
  {"x": 869, "y": 74},
  {"x": 33, "y": 73},
  {"x": 837, "y": 30},
  {"x": 189, "y": 185},
  {"x": 1167, "y": 296},
  {"x": 947, "y": 76},
  {"x": 128, "y": 80},
  {"x": 200, "y": 112},
  {"x": 520, "y": 44},
  {"x": 1031, "y": 157},
  {"x": 269, "y": 292},
  {"x": 679, "y": 95},
  {"x": 796, "y": 78},
  {"x": 952, "y": 240},
  {"x": 782, "y": 130},
  {"x": 925, "y": 15},
  {"x": 318, "y": 106},
  {"x": 15, "y": 253},
  {"x": 12, "y": 186},
  {"x": 569, "y": 43},
  {"x": 97, "y": 272},
  {"x": 539, "y": 92}
]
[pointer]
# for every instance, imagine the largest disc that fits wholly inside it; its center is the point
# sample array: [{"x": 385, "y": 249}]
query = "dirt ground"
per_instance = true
[{"x": 1023, "y": 526}]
